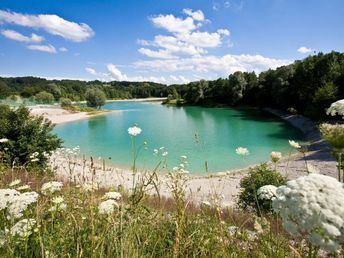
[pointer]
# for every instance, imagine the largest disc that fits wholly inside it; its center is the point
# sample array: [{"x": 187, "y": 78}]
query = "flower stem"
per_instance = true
[{"x": 339, "y": 165}]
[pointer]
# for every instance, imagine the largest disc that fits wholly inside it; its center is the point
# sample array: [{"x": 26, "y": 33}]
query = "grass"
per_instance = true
[{"x": 89, "y": 110}]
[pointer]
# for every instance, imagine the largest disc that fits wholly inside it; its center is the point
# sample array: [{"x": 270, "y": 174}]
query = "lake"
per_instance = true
[{"x": 204, "y": 135}]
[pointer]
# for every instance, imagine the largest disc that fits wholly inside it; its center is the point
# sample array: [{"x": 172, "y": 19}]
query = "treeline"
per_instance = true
[
  {"x": 29, "y": 87},
  {"x": 308, "y": 87}
]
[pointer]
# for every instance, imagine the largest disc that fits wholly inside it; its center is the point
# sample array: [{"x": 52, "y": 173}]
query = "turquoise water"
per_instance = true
[{"x": 202, "y": 134}]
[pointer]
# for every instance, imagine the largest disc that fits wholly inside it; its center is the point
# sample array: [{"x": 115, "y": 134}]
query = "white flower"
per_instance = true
[
  {"x": 165, "y": 154},
  {"x": 267, "y": 192},
  {"x": 206, "y": 204},
  {"x": 3, "y": 140},
  {"x": 312, "y": 207},
  {"x": 336, "y": 108},
  {"x": 184, "y": 157},
  {"x": 35, "y": 160},
  {"x": 19, "y": 203},
  {"x": 7, "y": 195},
  {"x": 90, "y": 187},
  {"x": 23, "y": 187},
  {"x": 294, "y": 144},
  {"x": 107, "y": 207},
  {"x": 51, "y": 187},
  {"x": 155, "y": 152},
  {"x": 14, "y": 183},
  {"x": 59, "y": 204},
  {"x": 242, "y": 151},
  {"x": 134, "y": 131},
  {"x": 23, "y": 228},
  {"x": 275, "y": 156},
  {"x": 112, "y": 195},
  {"x": 58, "y": 200}
]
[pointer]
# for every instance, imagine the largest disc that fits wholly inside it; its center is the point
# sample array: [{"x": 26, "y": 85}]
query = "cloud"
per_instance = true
[
  {"x": 197, "y": 15},
  {"x": 63, "y": 49},
  {"x": 43, "y": 48},
  {"x": 51, "y": 23},
  {"x": 116, "y": 73},
  {"x": 14, "y": 35},
  {"x": 173, "y": 24},
  {"x": 163, "y": 54},
  {"x": 91, "y": 71},
  {"x": 304, "y": 50},
  {"x": 216, "y": 65}
]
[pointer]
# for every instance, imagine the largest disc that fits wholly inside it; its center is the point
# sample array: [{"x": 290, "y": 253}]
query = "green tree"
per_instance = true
[
  {"x": 44, "y": 97},
  {"x": 95, "y": 97},
  {"x": 65, "y": 102},
  {"x": 27, "y": 135}
]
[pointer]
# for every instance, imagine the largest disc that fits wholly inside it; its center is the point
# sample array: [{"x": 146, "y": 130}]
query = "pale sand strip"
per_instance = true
[{"x": 224, "y": 184}]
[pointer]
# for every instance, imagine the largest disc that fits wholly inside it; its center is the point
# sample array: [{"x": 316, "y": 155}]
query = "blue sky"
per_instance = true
[{"x": 168, "y": 41}]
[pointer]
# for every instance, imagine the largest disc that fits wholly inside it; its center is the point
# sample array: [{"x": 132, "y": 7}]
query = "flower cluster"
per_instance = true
[
  {"x": 134, "y": 131},
  {"x": 294, "y": 144},
  {"x": 242, "y": 151},
  {"x": 23, "y": 228},
  {"x": 3, "y": 140},
  {"x": 51, "y": 187},
  {"x": 181, "y": 168},
  {"x": 312, "y": 207},
  {"x": 58, "y": 204},
  {"x": 267, "y": 192},
  {"x": 336, "y": 108},
  {"x": 34, "y": 157},
  {"x": 108, "y": 207},
  {"x": 275, "y": 156},
  {"x": 334, "y": 134},
  {"x": 112, "y": 195}
]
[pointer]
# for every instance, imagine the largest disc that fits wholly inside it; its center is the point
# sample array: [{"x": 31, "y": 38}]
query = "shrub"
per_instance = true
[
  {"x": 95, "y": 97},
  {"x": 28, "y": 137},
  {"x": 258, "y": 177},
  {"x": 44, "y": 97},
  {"x": 65, "y": 102}
]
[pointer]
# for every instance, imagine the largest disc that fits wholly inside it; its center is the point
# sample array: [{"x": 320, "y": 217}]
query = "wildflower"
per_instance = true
[
  {"x": 134, "y": 131},
  {"x": 6, "y": 195},
  {"x": 19, "y": 203},
  {"x": 184, "y": 157},
  {"x": 35, "y": 160},
  {"x": 112, "y": 195},
  {"x": 14, "y": 183},
  {"x": 3, "y": 140},
  {"x": 90, "y": 187},
  {"x": 155, "y": 152},
  {"x": 23, "y": 228},
  {"x": 336, "y": 108},
  {"x": 51, "y": 187},
  {"x": 311, "y": 206},
  {"x": 294, "y": 144},
  {"x": 165, "y": 154},
  {"x": 107, "y": 207},
  {"x": 275, "y": 156},
  {"x": 334, "y": 134},
  {"x": 206, "y": 204},
  {"x": 242, "y": 151},
  {"x": 23, "y": 188},
  {"x": 267, "y": 192}
]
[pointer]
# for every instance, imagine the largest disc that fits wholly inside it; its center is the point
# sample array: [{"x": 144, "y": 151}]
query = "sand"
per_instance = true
[{"x": 223, "y": 185}]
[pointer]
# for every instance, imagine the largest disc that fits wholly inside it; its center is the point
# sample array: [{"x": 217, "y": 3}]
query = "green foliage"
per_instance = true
[
  {"x": 44, "y": 97},
  {"x": 258, "y": 177},
  {"x": 26, "y": 135},
  {"x": 95, "y": 97},
  {"x": 65, "y": 102}
]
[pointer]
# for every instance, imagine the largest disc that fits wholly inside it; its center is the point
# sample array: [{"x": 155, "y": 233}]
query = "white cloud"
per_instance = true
[
  {"x": 91, "y": 71},
  {"x": 116, "y": 73},
  {"x": 304, "y": 50},
  {"x": 173, "y": 24},
  {"x": 43, "y": 48},
  {"x": 51, "y": 23},
  {"x": 197, "y": 15},
  {"x": 14, "y": 35},
  {"x": 63, "y": 49},
  {"x": 162, "y": 54},
  {"x": 216, "y": 65}
]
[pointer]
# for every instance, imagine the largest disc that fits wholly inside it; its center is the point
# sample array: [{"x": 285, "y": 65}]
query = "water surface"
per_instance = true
[{"x": 202, "y": 134}]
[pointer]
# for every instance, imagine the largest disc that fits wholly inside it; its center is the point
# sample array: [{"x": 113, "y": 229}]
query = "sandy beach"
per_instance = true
[{"x": 208, "y": 187}]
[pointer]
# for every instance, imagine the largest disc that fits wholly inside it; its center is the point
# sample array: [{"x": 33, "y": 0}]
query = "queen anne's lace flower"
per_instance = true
[
  {"x": 312, "y": 207},
  {"x": 267, "y": 192},
  {"x": 14, "y": 183},
  {"x": 334, "y": 134},
  {"x": 7, "y": 195},
  {"x": 134, "y": 131},
  {"x": 3, "y": 140},
  {"x": 336, "y": 108},
  {"x": 23, "y": 228},
  {"x": 107, "y": 207},
  {"x": 242, "y": 151},
  {"x": 112, "y": 195},
  {"x": 19, "y": 203},
  {"x": 275, "y": 156},
  {"x": 294, "y": 144},
  {"x": 51, "y": 187}
]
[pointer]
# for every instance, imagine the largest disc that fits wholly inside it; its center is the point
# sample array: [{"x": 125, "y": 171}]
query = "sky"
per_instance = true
[{"x": 165, "y": 41}]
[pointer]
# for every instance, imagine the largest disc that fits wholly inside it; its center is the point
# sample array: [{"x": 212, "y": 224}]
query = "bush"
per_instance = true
[
  {"x": 27, "y": 135},
  {"x": 65, "y": 102},
  {"x": 95, "y": 97},
  {"x": 258, "y": 177},
  {"x": 44, "y": 97}
]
